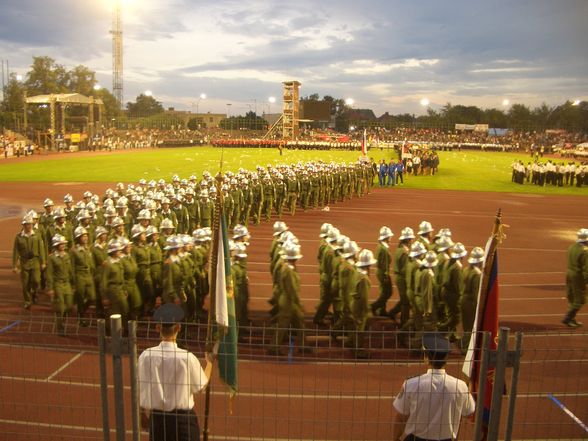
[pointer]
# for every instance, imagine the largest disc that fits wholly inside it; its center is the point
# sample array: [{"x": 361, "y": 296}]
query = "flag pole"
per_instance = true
[{"x": 213, "y": 259}]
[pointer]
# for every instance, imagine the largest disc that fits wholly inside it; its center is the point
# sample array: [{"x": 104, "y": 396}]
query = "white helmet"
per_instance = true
[
  {"x": 68, "y": 198},
  {"x": 173, "y": 242},
  {"x": 166, "y": 224},
  {"x": 425, "y": 227},
  {"x": 48, "y": 203},
  {"x": 151, "y": 230},
  {"x": 443, "y": 232},
  {"x": 341, "y": 241},
  {"x": 291, "y": 251},
  {"x": 444, "y": 243},
  {"x": 88, "y": 194},
  {"x": 279, "y": 227},
  {"x": 582, "y": 235},
  {"x": 333, "y": 235},
  {"x": 385, "y": 233},
  {"x": 144, "y": 214},
  {"x": 350, "y": 249},
  {"x": 240, "y": 231},
  {"x": 325, "y": 229},
  {"x": 417, "y": 249},
  {"x": 27, "y": 219},
  {"x": 458, "y": 251},
  {"x": 137, "y": 230},
  {"x": 288, "y": 236},
  {"x": 114, "y": 245},
  {"x": 240, "y": 250},
  {"x": 84, "y": 214},
  {"x": 477, "y": 255},
  {"x": 100, "y": 230},
  {"x": 80, "y": 231},
  {"x": 58, "y": 213},
  {"x": 117, "y": 222},
  {"x": 406, "y": 233},
  {"x": 109, "y": 212},
  {"x": 365, "y": 258},
  {"x": 430, "y": 259},
  {"x": 57, "y": 240}
]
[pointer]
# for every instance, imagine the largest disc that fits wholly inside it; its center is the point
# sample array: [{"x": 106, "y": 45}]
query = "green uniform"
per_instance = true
[
  {"x": 384, "y": 259},
  {"x": 246, "y": 206},
  {"x": 155, "y": 269},
  {"x": 206, "y": 213},
  {"x": 113, "y": 288},
  {"x": 83, "y": 270},
  {"x": 411, "y": 271},
  {"x": 237, "y": 196},
  {"x": 269, "y": 196},
  {"x": 172, "y": 280},
  {"x": 228, "y": 207},
  {"x": 452, "y": 292},
  {"x": 241, "y": 291},
  {"x": 359, "y": 310},
  {"x": 193, "y": 209},
  {"x": 183, "y": 219},
  {"x": 576, "y": 278},
  {"x": 469, "y": 302},
  {"x": 305, "y": 192},
  {"x": 171, "y": 215},
  {"x": 257, "y": 197},
  {"x": 326, "y": 297},
  {"x": 29, "y": 256},
  {"x": 64, "y": 229},
  {"x": 293, "y": 189},
  {"x": 59, "y": 280},
  {"x": 142, "y": 254},
  {"x": 403, "y": 305},
  {"x": 188, "y": 268},
  {"x": 200, "y": 254},
  {"x": 337, "y": 300},
  {"x": 100, "y": 257},
  {"x": 290, "y": 313},
  {"x": 440, "y": 276},
  {"x": 346, "y": 275},
  {"x": 132, "y": 289},
  {"x": 424, "y": 298},
  {"x": 280, "y": 189}
]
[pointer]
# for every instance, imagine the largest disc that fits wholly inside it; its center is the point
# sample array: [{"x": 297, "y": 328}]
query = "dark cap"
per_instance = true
[
  {"x": 436, "y": 346},
  {"x": 168, "y": 314}
]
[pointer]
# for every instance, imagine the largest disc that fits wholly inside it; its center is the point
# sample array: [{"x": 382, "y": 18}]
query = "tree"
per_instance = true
[
  {"x": 144, "y": 106},
  {"x": 46, "y": 76},
  {"x": 519, "y": 116},
  {"x": 81, "y": 80},
  {"x": 13, "y": 95}
]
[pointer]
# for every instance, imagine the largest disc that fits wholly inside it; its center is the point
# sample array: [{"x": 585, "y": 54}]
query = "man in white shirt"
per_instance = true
[
  {"x": 430, "y": 406},
  {"x": 169, "y": 377}
]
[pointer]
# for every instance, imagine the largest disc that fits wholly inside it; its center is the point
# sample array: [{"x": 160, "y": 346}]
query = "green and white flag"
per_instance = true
[{"x": 225, "y": 312}]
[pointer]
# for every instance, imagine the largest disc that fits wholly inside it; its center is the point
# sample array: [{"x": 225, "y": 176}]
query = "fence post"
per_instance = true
[
  {"x": 513, "y": 386},
  {"x": 119, "y": 403},
  {"x": 103, "y": 379},
  {"x": 498, "y": 387},
  {"x": 135, "y": 411},
  {"x": 484, "y": 359}
]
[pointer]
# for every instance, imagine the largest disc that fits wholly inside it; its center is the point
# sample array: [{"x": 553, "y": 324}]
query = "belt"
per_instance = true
[
  {"x": 174, "y": 411},
  {"x": 412, "y": 437}
]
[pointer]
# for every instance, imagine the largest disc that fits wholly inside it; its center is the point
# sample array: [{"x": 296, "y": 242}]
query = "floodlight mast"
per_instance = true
[{"x": 117, "y": 53}]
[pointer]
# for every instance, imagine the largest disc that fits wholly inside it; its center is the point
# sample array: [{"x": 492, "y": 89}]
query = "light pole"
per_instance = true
[{"x": 271, "y": 100}]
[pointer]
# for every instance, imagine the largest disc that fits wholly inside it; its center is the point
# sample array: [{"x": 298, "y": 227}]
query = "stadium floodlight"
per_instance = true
[
  {"x": 18, "y": 77},
  {"x": 272, "y": 99},
  {"x": 97, "y": 87},
  {"x": 505, "y": 103},
  {"x": 425, "y": 102},
  {"x": 148, "y": 93},
  {"x": 349, "y": 101},
  {"x": 202, "y": 96},
  {"x": 576, "y": 103}
]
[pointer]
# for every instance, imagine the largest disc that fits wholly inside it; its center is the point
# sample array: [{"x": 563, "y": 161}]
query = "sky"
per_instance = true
[{"x": 385, "y": 55}]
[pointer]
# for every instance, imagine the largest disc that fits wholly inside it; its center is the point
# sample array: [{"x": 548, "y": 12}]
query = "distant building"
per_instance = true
[{"x": 209, "y": 120}]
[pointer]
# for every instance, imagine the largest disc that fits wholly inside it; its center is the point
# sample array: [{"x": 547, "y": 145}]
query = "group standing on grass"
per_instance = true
[{"x": 550, "y": 173}]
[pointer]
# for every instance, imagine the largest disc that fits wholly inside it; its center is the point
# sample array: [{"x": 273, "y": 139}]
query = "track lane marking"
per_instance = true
[{"x": 64, "y": 366}]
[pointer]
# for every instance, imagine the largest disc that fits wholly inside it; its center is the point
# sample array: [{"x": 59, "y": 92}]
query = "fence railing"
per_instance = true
[{"x": 317, "y": 389}]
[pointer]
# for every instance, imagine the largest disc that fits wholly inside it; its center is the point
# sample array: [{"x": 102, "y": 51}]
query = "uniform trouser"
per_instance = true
[
  {"x": 403, "y": 305},
  {"x": 135, "y": 302},
  {"x": 145, "y": 284},
  {"x": 575, "y": 293},
  {"x": 85, "y": 292},
  {"x": 245, "y": 215},
  {"x": 451, "y": 312},
  {"x": 326, "y": 298},
  {"x": 292, "y": 197},
  {"x": 189, "y": 306},
  {"x": 305, "y": 200},
  {"x": 155, "y": 271},
  {"x": 175, "y": 425},
  {"x": 63, "y": 302},
  {"x": 201, "y": 291},
  {"x": 241, "y": 309},
  {"x": 267, "y": 208},
  {"x": 256, "y": 212},
  {"x": 385, "y": 293},
  {"x": 314, "y": 197},
  {"x": 30, "y": 279},
  {"x": 439, "y": 304},
  {"x": 98, "y": 291},
  {"x": 279, "y": 206},
  {"x": 290, "y": 317},
  {"x": 468, "y": 315},
  {"x": 236, "y": 218}
]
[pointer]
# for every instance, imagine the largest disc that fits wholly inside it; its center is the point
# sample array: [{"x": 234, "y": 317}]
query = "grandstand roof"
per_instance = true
[{"x": 72, "y": 98}]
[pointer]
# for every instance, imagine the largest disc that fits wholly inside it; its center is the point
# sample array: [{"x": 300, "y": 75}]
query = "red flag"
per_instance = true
[{"x": 486, "y": 321}]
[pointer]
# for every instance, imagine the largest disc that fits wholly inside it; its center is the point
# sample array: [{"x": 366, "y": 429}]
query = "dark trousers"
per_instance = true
[
  {"x": 412, "y": 437},
  {"x": 176, "y": 425}
]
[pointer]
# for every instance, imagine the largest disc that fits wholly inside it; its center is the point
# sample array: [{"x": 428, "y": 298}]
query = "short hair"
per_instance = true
[{"x": 168, "y": 329}]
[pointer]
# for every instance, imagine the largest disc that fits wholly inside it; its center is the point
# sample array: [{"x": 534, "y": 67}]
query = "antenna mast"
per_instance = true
[{"x": 117, "y": 53}]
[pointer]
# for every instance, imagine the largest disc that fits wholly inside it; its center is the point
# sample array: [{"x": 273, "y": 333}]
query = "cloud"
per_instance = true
[
  {"x": 371, "y": 67},
  {"x": 506, "y": 69}
]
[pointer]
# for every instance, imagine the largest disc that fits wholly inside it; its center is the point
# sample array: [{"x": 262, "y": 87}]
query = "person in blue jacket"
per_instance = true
[
  {"x": 383, "y": 172},
  {"x": 391, "y": 174}
]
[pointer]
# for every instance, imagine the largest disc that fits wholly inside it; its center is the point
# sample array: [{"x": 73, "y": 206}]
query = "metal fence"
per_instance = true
[{"x": 51, "y": 385}]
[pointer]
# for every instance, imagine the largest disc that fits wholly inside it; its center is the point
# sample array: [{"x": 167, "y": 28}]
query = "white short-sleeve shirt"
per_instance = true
[
  {"x": 434, "y": 403},
  {"x": 169, "y": 377}
]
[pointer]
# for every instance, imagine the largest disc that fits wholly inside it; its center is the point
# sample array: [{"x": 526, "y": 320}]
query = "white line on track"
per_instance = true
[{"x": 65, "y": 365}]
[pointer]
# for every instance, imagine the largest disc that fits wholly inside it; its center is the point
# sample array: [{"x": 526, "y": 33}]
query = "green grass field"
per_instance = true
[{"x": 476, "y": 171}]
